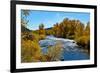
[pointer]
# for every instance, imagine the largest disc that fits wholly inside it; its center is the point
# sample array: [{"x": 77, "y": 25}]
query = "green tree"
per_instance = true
[{"x": 42, "y": 31}]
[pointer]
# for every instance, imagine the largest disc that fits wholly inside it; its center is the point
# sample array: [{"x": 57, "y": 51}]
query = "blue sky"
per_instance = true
[{"x": 49, "y": 18}]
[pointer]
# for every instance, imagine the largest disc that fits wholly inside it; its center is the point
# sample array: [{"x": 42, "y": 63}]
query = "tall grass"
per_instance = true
[{"x": 54, "y": 53}]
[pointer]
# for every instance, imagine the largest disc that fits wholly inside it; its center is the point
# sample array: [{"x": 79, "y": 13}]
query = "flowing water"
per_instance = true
[{"x": 71, "y": 51}]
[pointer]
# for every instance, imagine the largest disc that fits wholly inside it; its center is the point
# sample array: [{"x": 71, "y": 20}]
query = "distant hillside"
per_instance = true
[
  {"x": 24, "y": 29},
  {"x": 44, "y": 28},
  {"x": 48, "y": 28}
]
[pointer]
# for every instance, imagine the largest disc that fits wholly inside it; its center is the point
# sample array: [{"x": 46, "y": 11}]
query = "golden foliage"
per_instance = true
[
  {"x": 41, "y": 37},
  {"x": 30, "y": 49},
  {"x": 54, "y": 52},
  {"x": 84, "y": 39},
  {"x": 71, "y": 29}
]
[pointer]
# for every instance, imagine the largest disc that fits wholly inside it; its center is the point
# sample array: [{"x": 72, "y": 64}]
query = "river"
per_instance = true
[{"x": 71, "y": 51}]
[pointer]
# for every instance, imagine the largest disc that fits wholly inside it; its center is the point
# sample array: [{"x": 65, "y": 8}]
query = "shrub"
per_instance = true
[
  {"x": 71, "y": 37},
  {"x": 54, "y": 52},
  {"x": 30, "y": 51},
  {"x": 84, "y": 41},
  {"x": 36, "y": 37},
  {"x": 49, "y": 32},
  {"x": 41, "y": 37}
]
